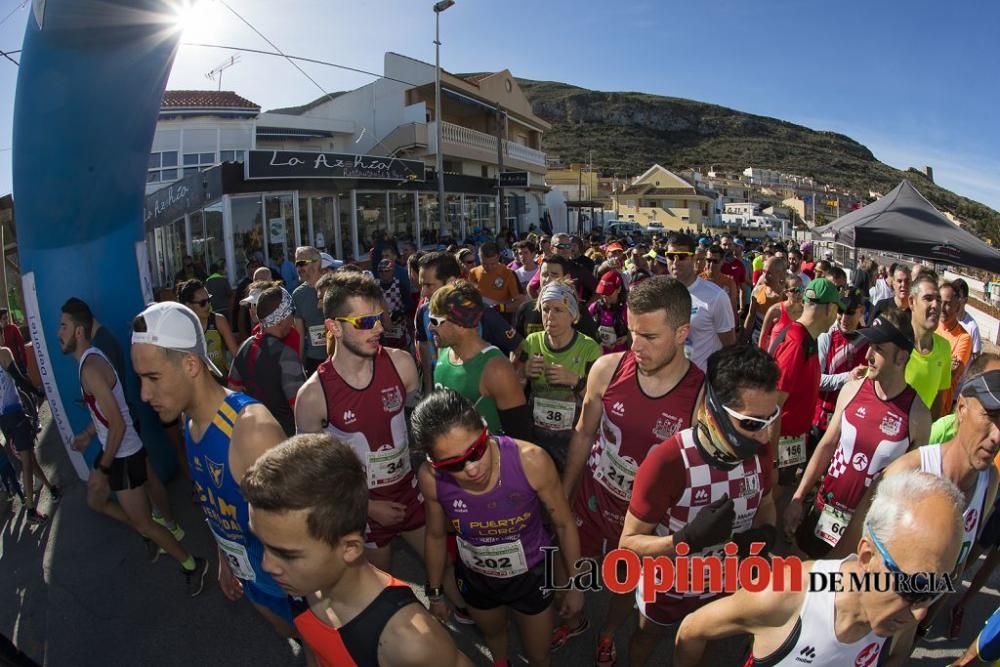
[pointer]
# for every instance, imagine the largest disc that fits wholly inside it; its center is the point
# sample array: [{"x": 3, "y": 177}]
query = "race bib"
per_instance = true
[
  {"x": 553, "y": 415},
  {"x": 832, "y": 524},
  {"x": 616, "y": 475},
  {"x": 388, "y": 467},
  {"x": 791, "y": 451},
  {"x": 502, "y": 560},
  {"x": 237, "y": 558},
  {"x": 608, "y": 335},
  {"x": 317, "y": 336}
]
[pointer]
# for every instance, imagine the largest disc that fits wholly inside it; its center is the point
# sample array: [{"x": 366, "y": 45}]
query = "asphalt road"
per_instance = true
[{"x": 80, "y": 592}]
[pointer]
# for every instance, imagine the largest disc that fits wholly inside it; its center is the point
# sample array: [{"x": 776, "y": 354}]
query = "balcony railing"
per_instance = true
[{"x": 464, "y": 136}]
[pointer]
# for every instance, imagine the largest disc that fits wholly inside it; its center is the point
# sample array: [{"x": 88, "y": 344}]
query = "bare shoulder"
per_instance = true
[
  {"x": 254, "y": 432},
  {"x": 606, "y": 364},
  {"x": 413, "y": 637},
  {"x": 905, "y": 463},
  {"x": 536, "y": 462}
]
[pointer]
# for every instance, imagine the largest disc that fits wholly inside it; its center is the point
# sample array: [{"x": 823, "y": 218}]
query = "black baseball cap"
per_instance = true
[
  {"x": 986, "y": 388},
  {"x": 883, "y": 331}
]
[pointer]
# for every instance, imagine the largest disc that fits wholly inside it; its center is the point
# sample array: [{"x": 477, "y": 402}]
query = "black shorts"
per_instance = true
[
  {"x": 18, "y": 431},
  {"x": 128, "y": 472},
  {"x": 522, "y": 593},
  {"x": 990, "y": 537}
]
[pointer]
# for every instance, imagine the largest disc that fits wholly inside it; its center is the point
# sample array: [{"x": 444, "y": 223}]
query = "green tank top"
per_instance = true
[
  {"x": 465, "y": 378},
  {"x": 216, "y": 348}
]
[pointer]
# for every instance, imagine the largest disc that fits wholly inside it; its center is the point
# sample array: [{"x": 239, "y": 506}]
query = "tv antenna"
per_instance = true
[{"x": 222, "y": 67}]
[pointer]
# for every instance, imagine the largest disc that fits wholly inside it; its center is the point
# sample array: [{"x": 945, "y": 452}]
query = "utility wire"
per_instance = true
[
  {"x": 6, "y": 54},
  {"x": 13, "y": 11}
]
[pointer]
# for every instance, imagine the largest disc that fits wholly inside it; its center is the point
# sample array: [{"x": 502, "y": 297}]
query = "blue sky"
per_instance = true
[{"x": 915, "y": 81}]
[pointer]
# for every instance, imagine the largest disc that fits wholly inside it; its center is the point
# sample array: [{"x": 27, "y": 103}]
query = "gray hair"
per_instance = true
[{"x": 896, "y": 497}]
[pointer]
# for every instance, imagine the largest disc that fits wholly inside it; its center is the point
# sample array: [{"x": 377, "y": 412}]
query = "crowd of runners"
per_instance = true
[{"x": 517, "y": 412}]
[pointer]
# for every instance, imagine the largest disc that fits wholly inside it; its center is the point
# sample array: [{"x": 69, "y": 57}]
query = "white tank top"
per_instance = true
[
  {"x": 972, "y": 517},
  {"x": 130, "y": 441},
  {"x": 812, "y": 642}
]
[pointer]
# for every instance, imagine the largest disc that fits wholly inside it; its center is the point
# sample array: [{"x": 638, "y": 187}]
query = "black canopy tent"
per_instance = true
[{"x": 905, "y": 223}]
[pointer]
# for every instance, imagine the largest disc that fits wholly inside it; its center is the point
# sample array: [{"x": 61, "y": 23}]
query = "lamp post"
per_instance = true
[{"x": 439, "y": 161}]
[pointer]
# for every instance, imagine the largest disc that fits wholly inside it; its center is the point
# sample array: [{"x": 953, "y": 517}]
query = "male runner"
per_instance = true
[
  {"x": 224, "y": 433},
  {"x": 900, "y": 298},
  {"x": 795, "y": 350},
  {"x": 634, "y": 401},
  {"x": 309, "y": 503},
  {"x": 438, "y": 269},
  {"x": 476, "y": 370},
  {"x": 122, "y": 467},
  {"x": 358, "y": 396},
  {"x": 929, "y": 368},
  {"x": 914, "y": 526},
  {"x": 877, "y": 420},
  {"x": 707, "y": 484},
  {"x": 308, "y": 315},
  {"x": 966, "y": 460}
]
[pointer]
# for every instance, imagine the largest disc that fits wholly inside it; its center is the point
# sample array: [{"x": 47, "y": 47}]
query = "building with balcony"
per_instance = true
[
  {"x": 199, "y": 204},
  {"x": 662, "y": 196}
]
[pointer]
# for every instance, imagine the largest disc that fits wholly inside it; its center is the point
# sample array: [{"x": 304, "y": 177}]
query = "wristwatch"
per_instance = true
[{"x": 433, "y": 592}]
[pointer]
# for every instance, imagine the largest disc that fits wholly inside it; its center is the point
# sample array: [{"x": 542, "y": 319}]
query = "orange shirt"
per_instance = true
[
  {"x": 961, "y": 352},
  {"x": 498, "y": 286}
]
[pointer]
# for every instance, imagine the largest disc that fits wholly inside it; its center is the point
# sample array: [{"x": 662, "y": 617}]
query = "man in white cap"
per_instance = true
[{"x": 224, "y": 432}]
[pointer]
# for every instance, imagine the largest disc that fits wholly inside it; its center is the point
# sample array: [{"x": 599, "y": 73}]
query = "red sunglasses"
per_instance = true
[{"x": 457, "y": 463}]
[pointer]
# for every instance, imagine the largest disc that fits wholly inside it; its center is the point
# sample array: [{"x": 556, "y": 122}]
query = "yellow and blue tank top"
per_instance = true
[{"x": 225, "y": 508}]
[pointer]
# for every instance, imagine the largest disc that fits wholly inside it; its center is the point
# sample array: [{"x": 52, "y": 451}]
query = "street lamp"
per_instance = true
[{"x": 438, "y": 8}]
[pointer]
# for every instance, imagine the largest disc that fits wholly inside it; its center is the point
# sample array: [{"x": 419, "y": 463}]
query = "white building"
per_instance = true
[{"x": 221, "y": 214}]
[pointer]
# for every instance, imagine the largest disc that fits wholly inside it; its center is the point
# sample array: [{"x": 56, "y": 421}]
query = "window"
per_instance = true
[
  {"x": 195, "y": 162},
  {"x": 162, "y": 167},
  {"x": 232, "y": 156}
]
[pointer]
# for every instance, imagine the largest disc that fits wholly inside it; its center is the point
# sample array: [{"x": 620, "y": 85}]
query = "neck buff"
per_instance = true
[
  {"x": 717, "y": 439},
  {"x": 283, "y": 310}
]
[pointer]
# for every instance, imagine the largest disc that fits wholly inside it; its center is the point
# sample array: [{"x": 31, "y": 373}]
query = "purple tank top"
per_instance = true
[
  {"x": 500, "y": 532},
  {"x": 612, "y": 324}
]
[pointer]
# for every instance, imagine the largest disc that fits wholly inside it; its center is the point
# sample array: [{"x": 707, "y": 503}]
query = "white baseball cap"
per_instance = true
[
  {"x": 326, "y": 261},
  {"x": 174, "y": 326},
  {"x": 252, "y": 297}
]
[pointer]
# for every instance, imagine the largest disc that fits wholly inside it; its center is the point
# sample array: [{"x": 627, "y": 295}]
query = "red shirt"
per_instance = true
[
  {"x": 291, "y": 340},
  {"x": 736, "y": 271},
  {"x": 798, "y": 358}
]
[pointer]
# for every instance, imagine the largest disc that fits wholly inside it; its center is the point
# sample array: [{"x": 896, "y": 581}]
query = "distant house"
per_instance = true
[{"x": 659, "y": 195}]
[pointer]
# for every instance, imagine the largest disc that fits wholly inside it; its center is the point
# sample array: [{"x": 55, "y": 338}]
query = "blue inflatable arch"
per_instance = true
[{"x": 88, "y": 95}]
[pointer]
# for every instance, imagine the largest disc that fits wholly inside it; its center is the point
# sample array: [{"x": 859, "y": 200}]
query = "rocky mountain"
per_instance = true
[{"x": 628, "y": 131}]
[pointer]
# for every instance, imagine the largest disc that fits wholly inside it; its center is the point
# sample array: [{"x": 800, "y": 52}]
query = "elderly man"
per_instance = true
[
  {"x": 914, "y": 527},
  {"x": 308, "y": 315}
]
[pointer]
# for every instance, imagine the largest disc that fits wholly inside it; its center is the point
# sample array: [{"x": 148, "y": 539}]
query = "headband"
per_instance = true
[
  {"x": 283, "y": 310},
  {"x": 557, "y": 291}
]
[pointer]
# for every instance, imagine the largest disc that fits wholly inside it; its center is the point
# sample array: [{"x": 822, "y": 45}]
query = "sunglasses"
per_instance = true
[
  {"x": 474, "y": 453},
  {"x": 202, "y": 303},
  {"x": 926, "y": 596},
  {"x": 304, "y": 262},
  {"x": 436, "y": 320},
  {"x": 794, "y": 290},
  {"x": 713, "y": 260},
  {"x": 677, "y": 256},
  {"x": 363, "y": 322},
  {"x": 564, "y": 246},
  {"x": 752, "y": 424}
]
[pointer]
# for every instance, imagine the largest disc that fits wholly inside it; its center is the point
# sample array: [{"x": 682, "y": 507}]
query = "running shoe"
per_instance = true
[
  {"x": 195, "y": 579},
  {"x": 955, "y": 629},
  {"x": 563, "y": 633},
  {"x": 607, "y": 654},
  {"x": 35, "y": 517},
  {"x": 462, "y": 616}
]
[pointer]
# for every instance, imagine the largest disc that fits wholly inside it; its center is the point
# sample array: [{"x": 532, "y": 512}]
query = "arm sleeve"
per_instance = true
[
  {"x": 517, "y": 422},
  {"x": 659, "y": 482}
]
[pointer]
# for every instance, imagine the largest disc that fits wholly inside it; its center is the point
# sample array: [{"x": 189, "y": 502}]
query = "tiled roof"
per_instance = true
[{"x": 222, "y": 99}]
